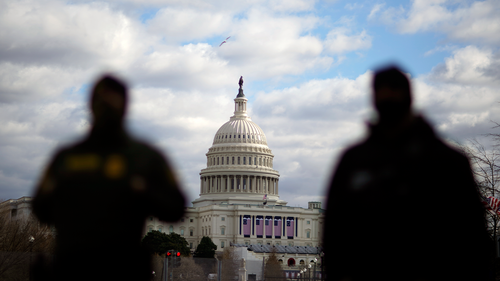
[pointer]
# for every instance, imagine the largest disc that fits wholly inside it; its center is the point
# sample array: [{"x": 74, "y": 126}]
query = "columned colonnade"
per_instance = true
[{"x": 239, "y": 183}]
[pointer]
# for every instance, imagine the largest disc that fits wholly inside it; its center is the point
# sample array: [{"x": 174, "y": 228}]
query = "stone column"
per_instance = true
[
  {"x": 272, "y": 227},
  {"x": 277, "y": 191},
  {"x": 201, "y": 185},
  {"x": 266, "y": 186},
  {"x": 253, "y": 184},
  {"x": 261, "y": 189},
  {"x": 223, "y": 184},
  {"x": 261, "y": 184}
]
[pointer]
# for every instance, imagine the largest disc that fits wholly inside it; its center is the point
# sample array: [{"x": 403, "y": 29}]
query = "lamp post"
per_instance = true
[
  {"x": 309, "y": 267},
  {"x": 314, "y": 271},
  {"x": 322, "y": 272}
]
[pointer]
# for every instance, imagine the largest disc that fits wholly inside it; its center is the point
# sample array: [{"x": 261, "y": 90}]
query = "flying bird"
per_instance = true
[{"x": 225, "y": 41}]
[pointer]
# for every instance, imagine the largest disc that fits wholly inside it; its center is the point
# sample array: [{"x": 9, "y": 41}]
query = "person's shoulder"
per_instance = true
[
  {"x": 453, "y": 155},
  {"x": 444, "y": 151}
]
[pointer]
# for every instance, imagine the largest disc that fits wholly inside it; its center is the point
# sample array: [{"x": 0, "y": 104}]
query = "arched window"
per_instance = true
[
  {"x": 233, "y": 160},
  {"x": 244, "y": 160},
  {"x": 217, "y": 160},
  {"x": 238, "y": 160},
  {"x": 302, "y": 262},
  {"x": 291, "y": 262},
  {"x": 171, "y": 229}
]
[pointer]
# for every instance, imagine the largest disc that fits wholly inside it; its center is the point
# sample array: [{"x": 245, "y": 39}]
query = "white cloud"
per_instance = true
[
  {"x": 292, "y": 5},
  {"x": 446, "y": 48},
  {"x": 469, "y": 65},
  {"x": 339, "y": 40},
  {"x": 266, "y": 45},
  {"x": 460, "y": 95},
  {"x": 460, "y": 20},
  {"x": 375, "y": 10},
  {"x": 353, "y": 6},
  {"x": 71, "y": 35},
  {"x": 177, "y": 25}
]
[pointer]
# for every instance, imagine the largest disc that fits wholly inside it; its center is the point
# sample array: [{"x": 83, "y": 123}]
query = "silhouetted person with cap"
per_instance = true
[
  {"x": 402, "y": 205},
  {"x": 99, "y": 192}
]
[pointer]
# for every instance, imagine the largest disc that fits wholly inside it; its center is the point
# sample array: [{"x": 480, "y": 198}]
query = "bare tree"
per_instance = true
[
  {"x": 273, "y": 270},
  {"x": 485, "y": 164},
  {"x": 230, "y": 265},
  {"x": 495, "y": 137},
  {"x": 188, "y": 270},
  {"x": 21, "y": 241}
]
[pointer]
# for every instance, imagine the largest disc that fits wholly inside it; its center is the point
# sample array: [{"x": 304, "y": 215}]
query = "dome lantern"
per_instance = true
[{"x": 240, "y": 104}]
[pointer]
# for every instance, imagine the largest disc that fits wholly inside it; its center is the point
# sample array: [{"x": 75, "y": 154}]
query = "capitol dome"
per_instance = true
[
  {"x": 240, "y": 131},
  {"x": 239, "y": 164}
]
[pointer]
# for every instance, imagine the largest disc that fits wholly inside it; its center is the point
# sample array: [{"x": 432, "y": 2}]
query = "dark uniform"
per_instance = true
[
  {"x": 405, "y": 208},
  {"x": 98, "y": 194}
]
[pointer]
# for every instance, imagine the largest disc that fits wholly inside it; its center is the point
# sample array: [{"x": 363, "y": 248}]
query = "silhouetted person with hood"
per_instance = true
[
  {"x": 99, "y": 192},
  {"x": 403, "y": 205}
]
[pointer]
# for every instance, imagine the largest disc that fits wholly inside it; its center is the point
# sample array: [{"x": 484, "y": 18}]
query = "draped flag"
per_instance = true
[
  {"x": 259, "y": 226},
  {"x": 486, "y": 202},
  {"x": 493, "y": 204},
  {"x": 269, "y": 226},
  {"x": 247, "y": 225},
  {"x": 277, "y": 227},
  {"x": 289, "y": 227}
]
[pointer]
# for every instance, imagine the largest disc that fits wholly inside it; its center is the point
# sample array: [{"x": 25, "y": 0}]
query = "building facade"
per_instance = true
[
  {"x": 16, "y": 209},
  {"x": 239, "y": 199}
]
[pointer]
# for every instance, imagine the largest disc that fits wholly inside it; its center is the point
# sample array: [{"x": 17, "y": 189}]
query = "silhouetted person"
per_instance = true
[
  {"x": 403, "y": 205},
  {"x": 99, "y": 192}
]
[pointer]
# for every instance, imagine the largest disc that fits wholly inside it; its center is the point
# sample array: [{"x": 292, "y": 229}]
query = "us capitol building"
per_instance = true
[{"x": 239, "y": 201}]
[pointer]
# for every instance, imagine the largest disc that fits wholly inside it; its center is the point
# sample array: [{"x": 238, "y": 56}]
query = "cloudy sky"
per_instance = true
[{"x": 307, "y": 66}]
